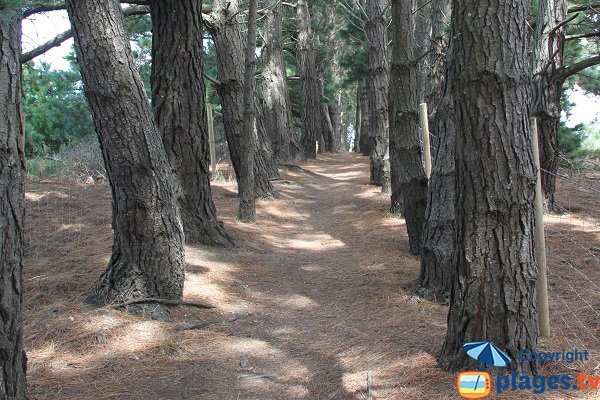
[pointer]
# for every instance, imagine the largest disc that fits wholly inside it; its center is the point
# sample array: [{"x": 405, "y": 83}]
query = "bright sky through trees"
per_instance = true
[{"x": 43, "y": 27}]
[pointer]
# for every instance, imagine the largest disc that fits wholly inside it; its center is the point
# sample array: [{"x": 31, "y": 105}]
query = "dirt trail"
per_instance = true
[{"x": 320, "y": 287}]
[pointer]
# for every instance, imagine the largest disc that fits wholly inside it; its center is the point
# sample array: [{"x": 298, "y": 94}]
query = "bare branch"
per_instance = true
[
  {"x": 571, "y": 70},
  {"x": 588, "y": 7},
  {"x": 38, "y": 51}
]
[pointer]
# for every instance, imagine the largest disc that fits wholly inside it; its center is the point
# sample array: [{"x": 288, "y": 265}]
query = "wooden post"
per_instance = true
[
  {"x": 211, "y": 139},
  {"x": 540, "y": 240},
  {"x": 426, "y": 145}
]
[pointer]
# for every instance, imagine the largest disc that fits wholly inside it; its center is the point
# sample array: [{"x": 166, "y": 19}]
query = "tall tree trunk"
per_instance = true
[
  {"x": 311, "y": 109},
  {"x": 13, "y": 384},
  {"x": 423, "y": 29},
  {"x": 440, "y": 19},
  {"x": 365, "y": 113},
  {"x": 277, "y": 109},
  {"x": 147, "y": 256},
  {"x": 247, "y": 210},
  {"x": 548, "y": 47},
  {"x": 377, "y": 93},
  {"x": 180, "y": 113},
  {"x": 326, "y": 41},
  {"x": 358, "y": 119},
  {"x": 225, "y": 26},
  {"x": 437, "y": 271},
  {"x": 437, "y": 251},
  {"x": 409, "y": 182},
  {"x": 493, "y": 296}
]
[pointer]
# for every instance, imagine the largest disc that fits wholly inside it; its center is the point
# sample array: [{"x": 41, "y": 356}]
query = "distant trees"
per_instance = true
[
  {"x": 493, "y": 293},
  {"x": 147, "y": 256},
  {"x": 13, "y": 383}
]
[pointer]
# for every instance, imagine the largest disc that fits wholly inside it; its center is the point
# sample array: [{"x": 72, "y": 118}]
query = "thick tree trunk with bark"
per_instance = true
[
  {"x": 409, "y": 182},
  {"x": 548, "y": 47},
  {"x": 311, "y": 107},
  {"x": 440, "y": 18},
  {"x": 147, "y": 256},
  {"x": 225, "y": 26},
  {"x": 247, "y": 210},
  {"x": 277, "y": 109},
  {"x": 423, "y": 10},
  {"x": 13, "y": 384},
  {"x": 377, "y": 93},
  {"x": 437, "y": 251},
  {"x": 493, "y": 296},
  {"x": 180, "y": 113}
]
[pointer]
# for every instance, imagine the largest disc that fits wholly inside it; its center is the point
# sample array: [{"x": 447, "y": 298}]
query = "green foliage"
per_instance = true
[
  {"x": 55, "y": 109},
  {"x": 570, "y": 139}
]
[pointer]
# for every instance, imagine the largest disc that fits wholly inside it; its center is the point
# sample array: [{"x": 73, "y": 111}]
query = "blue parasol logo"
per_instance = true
[{"x": 487, "y": 353}]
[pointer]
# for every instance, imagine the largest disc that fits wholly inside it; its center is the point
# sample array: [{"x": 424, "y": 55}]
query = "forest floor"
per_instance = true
[{"x": 315, "y": 296}]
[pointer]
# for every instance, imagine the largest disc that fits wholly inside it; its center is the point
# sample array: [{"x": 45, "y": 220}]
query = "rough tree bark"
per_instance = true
[
  {"x": 180, "y": 114},
  {"x": 437, "y": 249},
  {"x": 13, "y": 383},
  {"x": 225, "y": 25},
  {"x": 247, "y": 209},
  {"x": 277, "y": 109},
  {"x": 147, "y": 256},
  {"x": 423, "y": 10},
  {"x": 409, "y": 182},
  {"x": 547, "y": 61},
  {"x": 311, "y": 108},
  {"x": 440, "y": 18},
  {"x": 493, "y": 296},
  {"x": 365, "y": 114},
  {"x": 377, "y": 93}
]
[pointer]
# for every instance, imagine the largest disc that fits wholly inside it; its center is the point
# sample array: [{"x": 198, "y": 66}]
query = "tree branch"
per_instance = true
[
  {"x": 589, "y": 7},
  {"x": 582, "y": 36},
  {"x": 165, "y": 302},
  {"x": 571, "y": 70},
  {"x": 63, "y": 37},
  {"x": 38, "y": 8},
  {"x": 38, "y": 51}
]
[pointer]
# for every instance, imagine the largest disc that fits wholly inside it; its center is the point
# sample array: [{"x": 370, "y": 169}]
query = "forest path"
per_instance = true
[
  {"x": 326, "y": 277},
  {"x": 319, "y": 287}
]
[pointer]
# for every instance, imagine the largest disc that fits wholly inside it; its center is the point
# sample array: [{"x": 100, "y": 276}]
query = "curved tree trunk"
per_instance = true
[
  {"x": 147, "y": 256},
  {"x": 226, "y": 28},
  {"x": 547, "y": 60},
  {"x": 277, "y": 109},
  {"x": 377, "y": 93},
  {"x": 180, "y": 113},
  {"x": 493, "y": 296},
  {"x": 409, "y": 182},
  {"x": 13, "y": 384}
]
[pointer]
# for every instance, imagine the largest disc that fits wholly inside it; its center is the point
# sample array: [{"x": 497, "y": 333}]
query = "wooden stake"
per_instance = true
[
  {"x": 211, "y": 139},
  {"x": 540, "y": 240},
  {"x": 426, "y": 145}
]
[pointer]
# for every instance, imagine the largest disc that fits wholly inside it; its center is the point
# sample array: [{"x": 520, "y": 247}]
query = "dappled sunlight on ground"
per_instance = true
[{"x": 315, "y": 295}]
